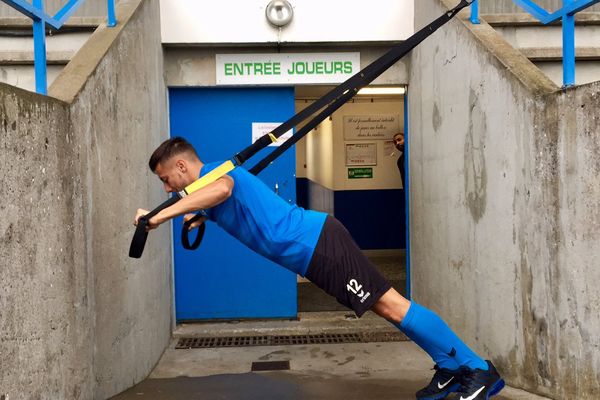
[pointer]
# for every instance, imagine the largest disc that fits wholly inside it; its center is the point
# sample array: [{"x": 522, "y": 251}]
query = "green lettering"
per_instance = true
[
  {"x": 348, "y": 67},
  {"x": 258, "y": 68},
  {"x": 268, "y": 68},
  {"x": 228, "y": 69},
  {"x": 310, "y": 68},
  {"x": 277, "y": 68},
  {"x": 337, "y": 67},
  {"x": 300, "y": 71},
  {"x": 320, "y": 66},
  {"x": 238, "y": 69}
]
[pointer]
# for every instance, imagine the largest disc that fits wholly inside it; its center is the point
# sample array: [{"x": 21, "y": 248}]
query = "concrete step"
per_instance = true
[
  {"x": 524, "y": 31},
  {"x": 16, "y": 48},
  {"x": 542, "y": 44}
]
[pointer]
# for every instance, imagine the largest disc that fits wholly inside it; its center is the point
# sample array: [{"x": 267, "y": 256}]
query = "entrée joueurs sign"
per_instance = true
[{"x": 269, "y": 69}]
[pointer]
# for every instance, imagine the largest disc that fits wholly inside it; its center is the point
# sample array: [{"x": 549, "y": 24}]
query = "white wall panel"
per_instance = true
[{"x": 244, "y": 21}]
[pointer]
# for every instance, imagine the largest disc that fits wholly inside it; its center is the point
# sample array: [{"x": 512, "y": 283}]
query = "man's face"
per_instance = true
[
  {"x": 399, "y": 141},
  {"x": 172, "y": 174}
]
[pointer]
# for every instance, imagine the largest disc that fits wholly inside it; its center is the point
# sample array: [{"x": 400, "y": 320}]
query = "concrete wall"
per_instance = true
[
  {"x": 80, "y": 320},
  {"x": 46, "y": 300},
  {"x": 504, "y": 210}
]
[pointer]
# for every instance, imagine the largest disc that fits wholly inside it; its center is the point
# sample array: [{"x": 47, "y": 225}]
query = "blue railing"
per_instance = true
[
  {"x": 566, "y": 14},
  {"x": 36, "y": 12}
]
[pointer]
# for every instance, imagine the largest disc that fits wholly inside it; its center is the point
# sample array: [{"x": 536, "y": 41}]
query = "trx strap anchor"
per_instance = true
[{"x": 328, "y": 104}]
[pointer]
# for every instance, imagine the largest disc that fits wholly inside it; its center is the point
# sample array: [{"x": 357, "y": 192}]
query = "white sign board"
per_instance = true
[
  {"x": 389, "y": 148},
  {"x": 260, "y": 129},
  {"x": 361, "y": 154},
  {"x": 369, "y": 127},
  {"x": 285, "y": 69}
]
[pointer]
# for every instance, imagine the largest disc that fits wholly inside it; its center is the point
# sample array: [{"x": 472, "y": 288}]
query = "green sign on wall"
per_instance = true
[{"x": 359, "y": 173}]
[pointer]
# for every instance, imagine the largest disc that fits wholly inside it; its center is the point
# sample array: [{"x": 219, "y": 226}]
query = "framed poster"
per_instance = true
[
  {"x": 369, "y": 127},
  {"x": 260, "y": 129},
  {"x": 389, "y": 148},
  {"x": 361, "y": 154}
]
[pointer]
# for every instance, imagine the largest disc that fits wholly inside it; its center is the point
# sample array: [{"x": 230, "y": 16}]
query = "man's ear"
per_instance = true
[{"x": 181, "y": 166}]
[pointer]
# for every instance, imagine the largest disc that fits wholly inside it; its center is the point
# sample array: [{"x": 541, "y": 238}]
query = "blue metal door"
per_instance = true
[{"x": 223, "y": 279}]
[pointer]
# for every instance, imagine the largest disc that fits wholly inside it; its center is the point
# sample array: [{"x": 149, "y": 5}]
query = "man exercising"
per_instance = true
[{"x": 317, "y": 246}]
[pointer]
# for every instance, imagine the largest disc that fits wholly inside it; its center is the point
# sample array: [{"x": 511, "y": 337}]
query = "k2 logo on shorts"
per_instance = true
[{"x": 356, "y": 288}]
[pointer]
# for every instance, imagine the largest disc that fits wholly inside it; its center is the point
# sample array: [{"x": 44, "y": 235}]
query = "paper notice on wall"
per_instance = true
[
  {"x": 262, "y": 128},
  {"x": 389, "y": 149},
  {"x": 361, "y": 154},
  {"x": 369, "y": 127}
]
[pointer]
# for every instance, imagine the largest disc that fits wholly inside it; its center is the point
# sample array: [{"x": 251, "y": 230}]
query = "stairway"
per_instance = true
[
  {"x": 16, "y": 48},
  {"x": 542, "y": 44}
]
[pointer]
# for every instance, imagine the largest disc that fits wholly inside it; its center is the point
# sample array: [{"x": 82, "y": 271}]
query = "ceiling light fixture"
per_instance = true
[
  {"x": 372, "y": 91},
  {"x": 279, "y": 13}
]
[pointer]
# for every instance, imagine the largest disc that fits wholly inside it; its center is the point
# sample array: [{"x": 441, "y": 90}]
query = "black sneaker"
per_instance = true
[
  {"x": 444, "y": 382},
  {"x": 476, "y": 384}
]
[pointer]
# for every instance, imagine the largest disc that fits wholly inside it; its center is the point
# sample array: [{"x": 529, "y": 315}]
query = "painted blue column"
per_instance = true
[
  {"x": 475, "y": 12},
  {"x": 568, "y": 36},
  {"x": 112, "y": 20},
  {"x": 39, "y": 50},
  {"x": 407, "y": 193}
]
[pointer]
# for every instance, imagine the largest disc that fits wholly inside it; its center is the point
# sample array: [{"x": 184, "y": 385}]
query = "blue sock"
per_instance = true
[{"x": 430, "y": 332}]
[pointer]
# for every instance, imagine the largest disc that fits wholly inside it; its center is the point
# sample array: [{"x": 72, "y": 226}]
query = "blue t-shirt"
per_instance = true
[{"x": 264, "y": 222}]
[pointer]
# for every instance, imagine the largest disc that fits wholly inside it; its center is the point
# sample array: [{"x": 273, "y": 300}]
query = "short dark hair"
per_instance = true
[{"x": 170, "y": 148}]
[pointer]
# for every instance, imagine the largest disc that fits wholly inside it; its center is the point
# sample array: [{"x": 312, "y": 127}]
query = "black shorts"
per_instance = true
[{"x": 339, "y": 267}]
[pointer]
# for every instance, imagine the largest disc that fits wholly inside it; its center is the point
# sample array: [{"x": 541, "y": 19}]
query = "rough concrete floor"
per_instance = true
[{"x": 393, "y": 370}]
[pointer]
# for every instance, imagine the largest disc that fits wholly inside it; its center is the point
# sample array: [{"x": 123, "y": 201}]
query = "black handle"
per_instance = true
[
  {"x": 138, "y": 241},
  {"x": 185, "y": 233}
]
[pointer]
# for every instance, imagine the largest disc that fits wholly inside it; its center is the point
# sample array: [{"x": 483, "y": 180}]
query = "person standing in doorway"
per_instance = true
[{"x": 399, "y": 144}]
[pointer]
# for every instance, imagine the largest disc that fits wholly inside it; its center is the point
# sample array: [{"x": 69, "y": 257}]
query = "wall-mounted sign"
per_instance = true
[
  {"x": 282, "y": 68},
  {"x": 262, "y": 128},
  {"x": 360, "y": 173},
  {"x": 389, "y": 148},
  {"x": 361, "y": 153},
  {"x": 369, "y": 127}
]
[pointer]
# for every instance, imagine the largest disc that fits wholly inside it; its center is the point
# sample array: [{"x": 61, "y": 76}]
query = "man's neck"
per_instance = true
[{"x": 195, "y": 169}]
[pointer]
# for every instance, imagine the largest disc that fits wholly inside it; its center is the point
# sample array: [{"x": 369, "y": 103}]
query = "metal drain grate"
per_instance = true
[
  {"x": 248, "y": 341},
  {"x": 270, "y": 366}
]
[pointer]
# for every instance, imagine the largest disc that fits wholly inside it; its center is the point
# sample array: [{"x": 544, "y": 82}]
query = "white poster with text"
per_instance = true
[
  {"x": 361, "y": 154},
  {"x": 369, "y": 127},
  {"x": 260, "y": 129}
]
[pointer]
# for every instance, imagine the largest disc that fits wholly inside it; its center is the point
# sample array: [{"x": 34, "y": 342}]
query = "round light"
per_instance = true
[{"x": 279, "y": 12}]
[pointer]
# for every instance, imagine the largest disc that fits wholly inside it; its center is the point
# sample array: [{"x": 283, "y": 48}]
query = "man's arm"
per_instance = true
[{"x": 207, "y": 197}]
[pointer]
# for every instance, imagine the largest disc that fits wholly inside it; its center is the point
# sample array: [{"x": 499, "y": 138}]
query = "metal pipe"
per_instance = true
[
  {"x": 568, "y": 37},
  {"x": 39, "y": 50},
  {"x": 112, "y": 19},
  {"x": 475, "y": 12}
]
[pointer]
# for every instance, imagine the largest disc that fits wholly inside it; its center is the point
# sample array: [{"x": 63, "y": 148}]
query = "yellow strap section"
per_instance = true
[
  {"x": 273, "y": 137},
  {"x": 209, "y": 178}
]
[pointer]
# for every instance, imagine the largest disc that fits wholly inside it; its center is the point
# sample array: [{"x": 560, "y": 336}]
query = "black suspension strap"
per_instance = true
[
  {"x": 141, "y": 233},
  {"x": 329, "y": 103}
]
